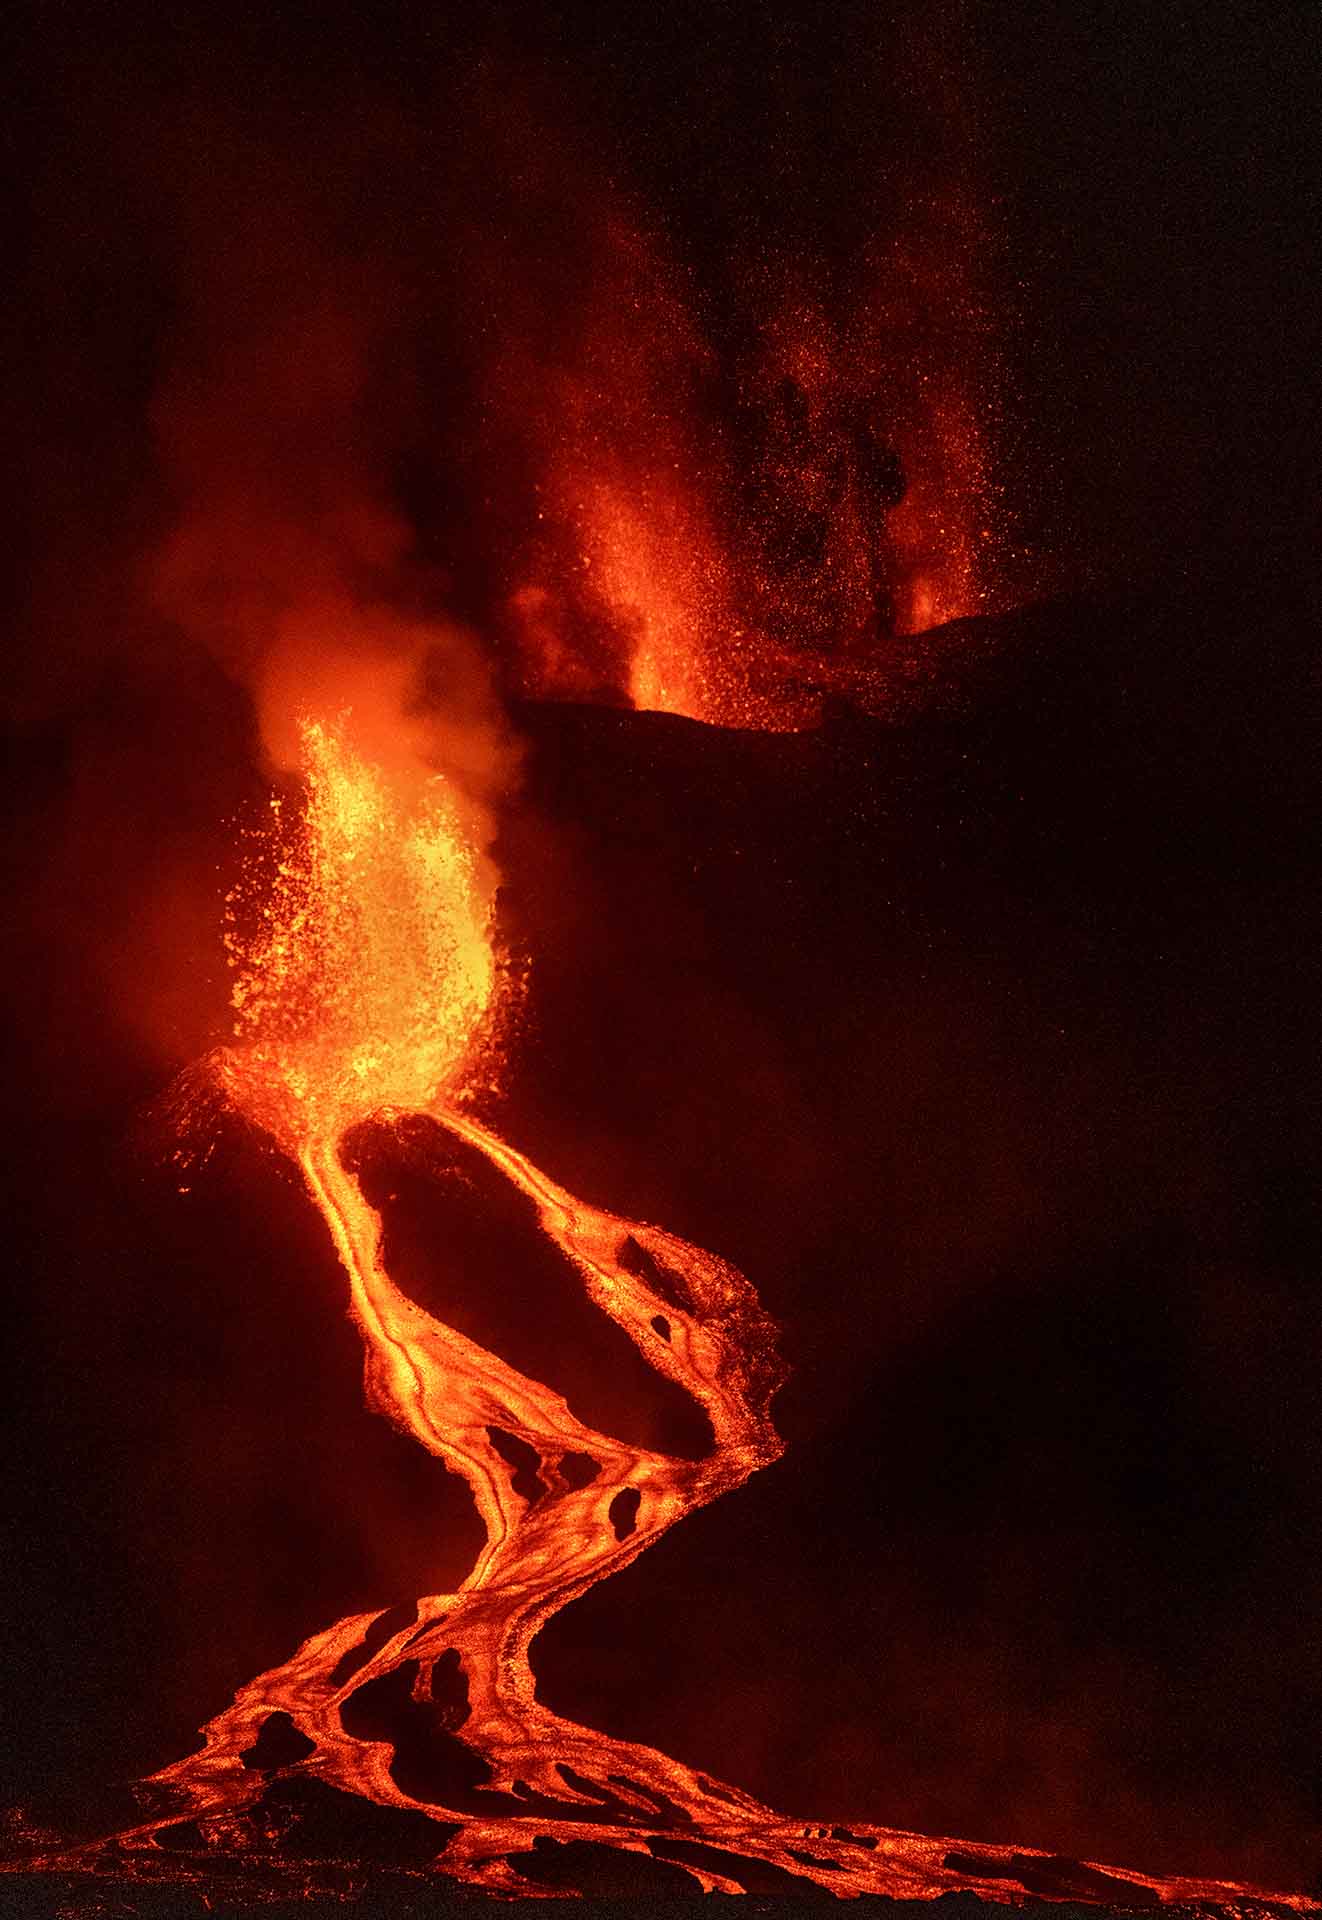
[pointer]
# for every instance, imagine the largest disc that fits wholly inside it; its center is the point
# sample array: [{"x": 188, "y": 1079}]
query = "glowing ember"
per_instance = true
[
  {"x": 364, "y": 987},
  {"x": 734, "y": 535},
  {"x": 372, "y": 965}
]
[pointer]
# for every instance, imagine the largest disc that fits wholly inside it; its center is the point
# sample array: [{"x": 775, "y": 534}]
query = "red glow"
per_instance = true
[{"x": 735, "y": 562}]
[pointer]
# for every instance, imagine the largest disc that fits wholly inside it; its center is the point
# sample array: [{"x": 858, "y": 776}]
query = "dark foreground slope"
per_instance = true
[
  {"x": 982, "y": 1039},
  {"x": 978, "y": 1032},
  {"x": 395, "y": 1897}
]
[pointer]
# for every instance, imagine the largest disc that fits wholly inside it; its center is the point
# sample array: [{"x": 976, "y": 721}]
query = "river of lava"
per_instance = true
[{"x": 364, "y": 991}]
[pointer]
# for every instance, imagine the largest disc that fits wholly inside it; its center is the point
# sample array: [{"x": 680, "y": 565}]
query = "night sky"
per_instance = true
[{"x": 979, "y": 1034}]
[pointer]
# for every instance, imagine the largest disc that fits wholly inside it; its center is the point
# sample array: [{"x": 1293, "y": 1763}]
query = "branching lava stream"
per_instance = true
[{"x": 363, "y": 993}]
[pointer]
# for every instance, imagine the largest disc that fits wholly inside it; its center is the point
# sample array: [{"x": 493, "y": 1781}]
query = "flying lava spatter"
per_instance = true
[{"x": 364, "y": 991}]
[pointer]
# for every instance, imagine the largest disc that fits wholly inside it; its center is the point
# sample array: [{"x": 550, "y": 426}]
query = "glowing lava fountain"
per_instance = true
[{"x": 364, "y": 992}]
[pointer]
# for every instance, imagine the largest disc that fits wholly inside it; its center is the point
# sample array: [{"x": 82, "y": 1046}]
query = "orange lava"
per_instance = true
[
  {"x": 652, "y": 561},
  {"x": 365, "y": 989},
  {"x": 370, "y": 968}
]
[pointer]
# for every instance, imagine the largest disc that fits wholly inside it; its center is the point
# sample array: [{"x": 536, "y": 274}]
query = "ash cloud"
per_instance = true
[
  {"x": 223, "y": 336},
  {"x": 279, "y": 424}
]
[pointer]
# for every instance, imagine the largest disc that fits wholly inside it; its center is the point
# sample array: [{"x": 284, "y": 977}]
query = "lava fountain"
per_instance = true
[{"x": 366, "y": 983}]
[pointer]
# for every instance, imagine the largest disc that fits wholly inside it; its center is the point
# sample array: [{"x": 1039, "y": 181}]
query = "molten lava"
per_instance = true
[
  {"x": 365, "y": 983},
  {"x": 371, "y": 965}
]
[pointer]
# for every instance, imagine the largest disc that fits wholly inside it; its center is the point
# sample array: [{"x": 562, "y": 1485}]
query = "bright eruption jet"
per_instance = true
[{"x": 364, "y": 992}]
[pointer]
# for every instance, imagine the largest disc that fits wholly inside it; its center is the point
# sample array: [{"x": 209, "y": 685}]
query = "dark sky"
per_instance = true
[
  {"x": 1145, "y": 185},
  {"x": 981, "y": 1041}
]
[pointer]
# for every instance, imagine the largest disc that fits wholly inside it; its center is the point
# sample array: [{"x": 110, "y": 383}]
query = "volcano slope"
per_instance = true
[{"x": 972, "y": 1029}]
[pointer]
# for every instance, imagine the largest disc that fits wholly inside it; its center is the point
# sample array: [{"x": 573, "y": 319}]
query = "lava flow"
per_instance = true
[{"x": 367, "y": 991}]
